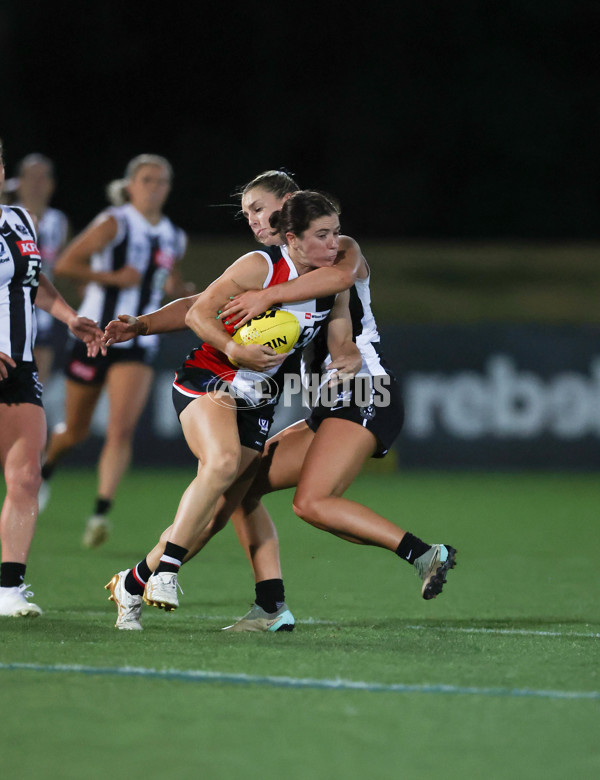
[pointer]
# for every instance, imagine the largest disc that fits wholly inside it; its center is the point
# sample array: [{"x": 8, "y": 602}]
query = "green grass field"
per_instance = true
[{"x": 496, "y": 678}]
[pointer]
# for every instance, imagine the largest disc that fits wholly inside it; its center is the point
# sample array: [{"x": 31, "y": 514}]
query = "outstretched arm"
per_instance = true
[
  {"x": 317, "y": 284},
  {"x": 49, "y": 299},
  {"x": 168, "y": 319}
]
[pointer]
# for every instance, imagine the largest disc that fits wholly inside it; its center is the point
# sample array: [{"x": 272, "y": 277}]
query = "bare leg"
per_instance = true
[
  {"x": 225, "y": 505},
  {"x": 80, "y": 402},
  {"x": 44, "y": 357},
  {"x": 333, "y": 461},
  {"x": 128, "y": 386},
  {"x": 279, "y": 468},
  {"x": 210, "y": 430},
  {"x": 22, "y": 439}
]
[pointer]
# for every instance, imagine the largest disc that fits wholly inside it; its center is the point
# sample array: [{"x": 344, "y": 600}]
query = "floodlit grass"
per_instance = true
[{"x": 516, "y": 629}]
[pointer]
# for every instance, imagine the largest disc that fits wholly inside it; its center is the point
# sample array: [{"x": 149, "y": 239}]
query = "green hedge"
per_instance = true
[{"x": 451, "y": 282}]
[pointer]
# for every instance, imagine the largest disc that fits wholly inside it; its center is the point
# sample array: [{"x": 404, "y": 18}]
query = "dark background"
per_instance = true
[{"x": 428, "y": 119}]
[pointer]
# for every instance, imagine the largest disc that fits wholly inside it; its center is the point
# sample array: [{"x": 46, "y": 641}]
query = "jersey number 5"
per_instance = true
[{"x": 32, "y": 277}]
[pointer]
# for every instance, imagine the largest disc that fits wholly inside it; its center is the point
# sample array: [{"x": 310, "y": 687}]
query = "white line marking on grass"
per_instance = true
[
  {"x": 221, "y": 618},
  {"x": 508, "y": 631},
  {"x": 199, "y": 675},
  {"x": 310, "y": 621}
]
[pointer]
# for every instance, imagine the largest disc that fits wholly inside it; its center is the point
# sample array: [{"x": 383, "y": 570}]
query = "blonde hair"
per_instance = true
[{"x": 116, "y": 191}]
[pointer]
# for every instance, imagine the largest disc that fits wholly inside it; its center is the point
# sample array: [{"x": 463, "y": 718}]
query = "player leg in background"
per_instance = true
[
  {"x": 44, "y": 358},
  {"x": 80, "y": 403},
  {"x": 128, "y": 386},
  {"x": 22, "y": 440},
  {"x": 334, "y": 459}
]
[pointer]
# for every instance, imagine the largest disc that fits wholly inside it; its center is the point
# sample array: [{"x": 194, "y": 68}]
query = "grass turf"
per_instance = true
[{"x": 516, "y": 629}]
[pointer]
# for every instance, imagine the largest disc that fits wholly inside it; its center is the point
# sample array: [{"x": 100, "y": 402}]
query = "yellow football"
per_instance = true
[{"x": 275, "y": 328}]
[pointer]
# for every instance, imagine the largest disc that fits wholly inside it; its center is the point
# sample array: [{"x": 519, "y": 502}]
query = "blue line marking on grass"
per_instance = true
[{"x": 198, "y": 675}]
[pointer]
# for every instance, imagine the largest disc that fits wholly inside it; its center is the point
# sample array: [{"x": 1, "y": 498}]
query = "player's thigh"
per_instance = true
[
  {"x": 128, "y": 387},
  {"x": 22, "y": 435},
  {"x": 335, "y": 457},
  {"x": 210, "y": 428},
  {"x": 281, "y": 463}
]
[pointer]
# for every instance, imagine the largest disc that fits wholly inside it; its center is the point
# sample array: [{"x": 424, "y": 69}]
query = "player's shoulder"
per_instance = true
[
  {"x": 18, "y": 216},
  {"x": 249, "y": 270},
  {"x": 347, "y": 242},
  {"x": 257, "y": 259}
]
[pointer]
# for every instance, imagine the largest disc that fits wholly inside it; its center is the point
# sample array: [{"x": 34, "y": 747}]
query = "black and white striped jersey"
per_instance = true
[
  {"x": 20, "y": 264},
  {"x": 364, "y": 334},
  {"x": 364, "y": 327},
  {"x": 51, "y": 237},
  {"x": 152, "y": 250},
  {"x": 52, "y": 230}
]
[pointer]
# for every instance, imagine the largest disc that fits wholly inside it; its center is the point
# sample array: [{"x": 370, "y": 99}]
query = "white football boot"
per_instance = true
[
  {"x": 161, "y": 591},
  {"x": 13, "y": 602},
  {"x": 129, "y": 607}
]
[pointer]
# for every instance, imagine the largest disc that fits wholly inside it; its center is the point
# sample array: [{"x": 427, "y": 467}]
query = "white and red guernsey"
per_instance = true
[{"x": 244, "y": 383}]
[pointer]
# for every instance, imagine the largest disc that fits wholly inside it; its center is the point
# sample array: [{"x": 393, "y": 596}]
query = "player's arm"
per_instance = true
[
  {"x": 346, "y": 359},
  {"x": 247, "y": 273},
  {"x": 74, "y": 262},
  {"x": 177, "y": 287},
  {"x": 317, "y": 284},
  {"x": 49, "y": 299},
  {"x": 167, "y": 319}
]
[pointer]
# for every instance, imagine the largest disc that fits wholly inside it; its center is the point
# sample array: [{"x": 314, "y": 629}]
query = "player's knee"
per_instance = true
[
  {"x": 120, "y": 435},
  {"x": 306, "y": 507},
  {"x": 24, "y": 479},
  {"x": 223, "y": 466}
]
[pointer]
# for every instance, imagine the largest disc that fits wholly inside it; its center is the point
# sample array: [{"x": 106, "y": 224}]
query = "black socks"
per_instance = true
[
  {"x": 269, "y": 595},
  {"x": 47, "y": 470},
  {"x": 12, "y": 574},
  {"x": 102, "y": 506},
  {"x": 411, "y": 547}
]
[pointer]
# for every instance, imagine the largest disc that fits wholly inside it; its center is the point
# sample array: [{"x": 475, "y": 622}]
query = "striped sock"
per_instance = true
[
  {"x": 172, "y": 558},
  {"x": 136, "y": 580}
]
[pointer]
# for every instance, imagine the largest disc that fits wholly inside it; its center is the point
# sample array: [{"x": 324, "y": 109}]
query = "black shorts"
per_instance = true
[
  {"x": 373, "y": 403},
  {"x": 254, "y": 422},
  {"x": 22, "y": 385},
  {"x": 92, "y": 371}
]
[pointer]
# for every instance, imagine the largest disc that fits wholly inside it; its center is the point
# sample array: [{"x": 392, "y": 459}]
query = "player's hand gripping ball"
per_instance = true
[{"x": 275, "y": 328}]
